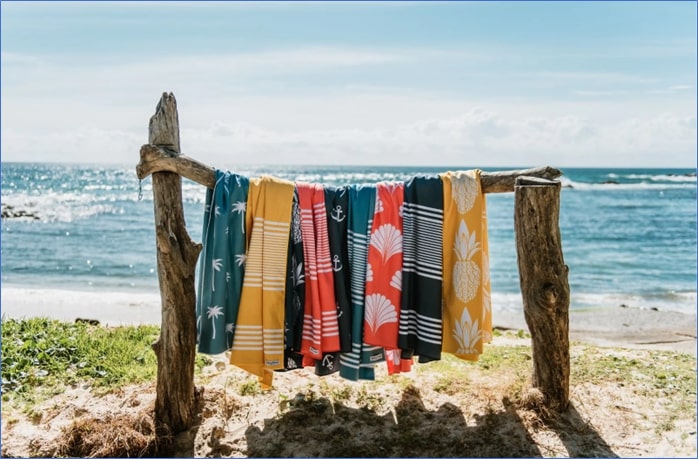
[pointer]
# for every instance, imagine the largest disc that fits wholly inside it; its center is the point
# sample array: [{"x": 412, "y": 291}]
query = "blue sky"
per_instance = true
[{"x": 410, "y": 83}]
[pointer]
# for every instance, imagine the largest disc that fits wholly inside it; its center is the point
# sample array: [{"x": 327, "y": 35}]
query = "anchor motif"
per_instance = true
[
  {"x": 328, "y": 361},
  {"x": 336, "y": 264},
  {"x": 338, "y": 217}
]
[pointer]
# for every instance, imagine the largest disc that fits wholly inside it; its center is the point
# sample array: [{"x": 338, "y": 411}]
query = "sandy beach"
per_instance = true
[
  {"x": 605, "y": 420},
  {"x": 642, "y": 328}
]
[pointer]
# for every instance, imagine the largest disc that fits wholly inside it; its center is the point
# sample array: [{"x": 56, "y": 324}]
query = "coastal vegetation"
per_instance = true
[{"x": 85, "y": 390}]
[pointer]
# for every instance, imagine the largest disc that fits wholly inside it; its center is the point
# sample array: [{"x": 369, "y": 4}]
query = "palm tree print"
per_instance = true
[
  {"x": 212, "y": 313},
  {"x": 230, "y": 329},
  {"x": 240, "y": 259},
  {"x": 216, "y": 264},
  {"x": 239, "y": 207}
]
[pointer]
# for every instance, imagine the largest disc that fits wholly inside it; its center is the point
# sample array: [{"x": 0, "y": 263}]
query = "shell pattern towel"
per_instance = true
[
  {"x": 258, "y": 346},
  {"x": 221, "y": 262},
  {"x": 384, "y": 275},
  {"x": 467, "y": 321}
]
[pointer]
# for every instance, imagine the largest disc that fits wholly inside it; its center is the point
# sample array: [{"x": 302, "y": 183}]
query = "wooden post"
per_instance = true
[
  {"x": 176, "y": 257},
  {"x": 544, "y": 286}
]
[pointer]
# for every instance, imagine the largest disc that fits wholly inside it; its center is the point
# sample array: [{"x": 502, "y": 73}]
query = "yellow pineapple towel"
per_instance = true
[
  {"x": 258, "y": 346},
  {"x": 467, "y": 315}
]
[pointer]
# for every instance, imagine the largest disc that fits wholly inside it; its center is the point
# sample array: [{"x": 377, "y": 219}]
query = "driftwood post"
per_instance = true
[
  {"x": 176, "y": 257},
  {"x": 544, "y": 287}
]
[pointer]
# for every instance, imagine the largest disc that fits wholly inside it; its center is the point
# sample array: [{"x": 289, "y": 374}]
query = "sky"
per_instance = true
[{"x": 481, "y": 84}]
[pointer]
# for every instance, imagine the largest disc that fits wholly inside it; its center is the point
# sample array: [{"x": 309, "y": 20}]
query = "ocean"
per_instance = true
[{"x": 628, "y": 235}]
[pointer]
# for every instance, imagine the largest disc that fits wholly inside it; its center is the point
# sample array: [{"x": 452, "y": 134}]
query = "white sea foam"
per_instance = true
[
  {"x": 583, "y": 186},
  {"x": 63, "y": 207},
  {"x": 662, "y": 177}
]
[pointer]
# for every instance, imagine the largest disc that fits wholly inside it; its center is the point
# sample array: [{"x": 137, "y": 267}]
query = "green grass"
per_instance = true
[
  {"x": 40, "y": 357},
  {"x": 668, "y": 377}
]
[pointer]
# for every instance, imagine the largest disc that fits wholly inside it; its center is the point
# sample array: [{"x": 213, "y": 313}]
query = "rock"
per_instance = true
[
  {"x": 87, "y": 321},
  {"x": 10, "y": 212}
]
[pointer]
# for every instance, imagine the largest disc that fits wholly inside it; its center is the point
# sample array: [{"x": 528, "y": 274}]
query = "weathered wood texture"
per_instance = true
[
  {"x": 544, "y": 286},
  {"x": 176, "y": 258},
  {"x": 154, "y": 159}
]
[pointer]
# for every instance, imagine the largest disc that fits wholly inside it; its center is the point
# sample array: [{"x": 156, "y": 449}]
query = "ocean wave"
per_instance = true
[
  {"x": 612, "y": 185},
  {"x": 663, "y": 177},
  {"x": 62, "y": 207}
]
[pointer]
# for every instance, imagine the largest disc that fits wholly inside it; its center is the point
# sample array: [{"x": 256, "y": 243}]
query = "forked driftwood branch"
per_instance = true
[{"x": 176, "y": 257}]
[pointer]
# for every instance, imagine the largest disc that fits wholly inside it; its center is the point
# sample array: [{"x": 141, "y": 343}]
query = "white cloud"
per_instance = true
[
  {"x": 60, "y": 110},
  {"x": 478, "y": 137}
]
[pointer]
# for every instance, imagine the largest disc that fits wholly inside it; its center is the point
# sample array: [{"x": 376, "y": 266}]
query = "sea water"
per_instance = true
[{"x": 628, "y": 235}]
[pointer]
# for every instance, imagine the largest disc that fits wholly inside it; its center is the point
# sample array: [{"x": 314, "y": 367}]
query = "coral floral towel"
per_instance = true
[
  {"x": 384, "y": 275},
  {"x": 258, "y": 346},
  {"x": 467, "y": 321}
]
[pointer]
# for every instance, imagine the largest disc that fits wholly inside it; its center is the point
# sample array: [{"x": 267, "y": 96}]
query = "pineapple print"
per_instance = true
[
  {"x": 464, "y": 189},
  {"x": 466, "y": 273}
]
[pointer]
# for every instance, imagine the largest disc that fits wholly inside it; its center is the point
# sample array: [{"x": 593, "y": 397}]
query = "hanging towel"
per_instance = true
[
  {"x": 320, "y": 328},
  {"x": 464, "y": 252},
  {"x": 337, "y": 203},
  {"x": 384, "y": 270},
  {"x": 221, "y": 262},
  {"x": 360, "y": 362},
  {"x": 420, "y": 312},
  {"x": 295, "y": 291},
  {"x": 258, "y": 346},
  {"x": 486, "y": 284}
]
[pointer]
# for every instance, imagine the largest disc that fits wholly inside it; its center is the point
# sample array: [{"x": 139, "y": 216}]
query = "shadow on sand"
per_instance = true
[
  {"x": 316, "y": 427},
  {"x": 579, "y": 437},
  {"x": 411, "y": 431}
]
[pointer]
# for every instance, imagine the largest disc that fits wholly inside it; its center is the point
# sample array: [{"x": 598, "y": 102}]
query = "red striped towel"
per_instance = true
[{"x": 320, "y": 326}]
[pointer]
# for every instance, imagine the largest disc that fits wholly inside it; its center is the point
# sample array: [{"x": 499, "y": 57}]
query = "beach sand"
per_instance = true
[{"x": 475, "y": 418}]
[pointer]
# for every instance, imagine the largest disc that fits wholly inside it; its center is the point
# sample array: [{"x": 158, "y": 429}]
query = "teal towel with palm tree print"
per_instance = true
[{"x": 221, "y": 263}]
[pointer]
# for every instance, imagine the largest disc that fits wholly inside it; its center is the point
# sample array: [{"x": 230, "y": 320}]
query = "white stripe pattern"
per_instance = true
[
  {"x": 265, "y": 266},
  {"x": 423, "y": 233},
  {"x": 425, "y": 328}
]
